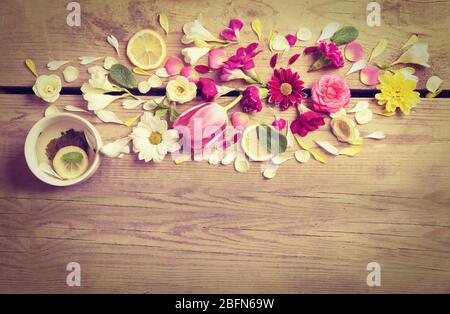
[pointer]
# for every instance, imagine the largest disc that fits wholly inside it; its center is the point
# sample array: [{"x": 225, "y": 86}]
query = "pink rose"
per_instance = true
[{"x": 330, "y": 93}]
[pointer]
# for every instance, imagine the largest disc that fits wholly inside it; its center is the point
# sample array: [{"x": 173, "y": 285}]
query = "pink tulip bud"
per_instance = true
[
  {"x": 201, "y": 125},
  {"x": 174, "y": 65}
]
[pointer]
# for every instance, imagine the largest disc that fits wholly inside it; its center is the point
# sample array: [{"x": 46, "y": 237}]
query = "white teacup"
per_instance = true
[{"x": 51, "y": 127}]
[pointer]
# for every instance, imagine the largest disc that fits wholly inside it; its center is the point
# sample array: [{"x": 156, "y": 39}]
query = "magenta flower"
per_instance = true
[
  {"x": 329, "y": 55},
  {"x": 231, "y": 33},
  {"x": 330, "y": 51},
  {"x": 208, "y": 89},
  {"x": 251, "y": 100},
  {"x": 286, "y": 88},
  {"x": 279, "y": 124},
  {"x": 216, "y": 58},
  {"x": 243, "y": 59},
  {"x": 307, "y": 122}
]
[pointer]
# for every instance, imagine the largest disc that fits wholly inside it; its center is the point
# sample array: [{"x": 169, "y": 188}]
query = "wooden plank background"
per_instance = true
[{"x": 137, "y": 227}]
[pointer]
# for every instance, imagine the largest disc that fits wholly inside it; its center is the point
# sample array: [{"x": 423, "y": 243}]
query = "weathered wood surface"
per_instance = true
[
  {"x": 37, "y": 29},
  {"x": 137, "y": 227}
]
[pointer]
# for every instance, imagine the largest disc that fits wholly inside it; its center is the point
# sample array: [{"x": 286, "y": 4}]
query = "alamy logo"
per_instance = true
[
  {"x": 74, "y": 17},
  {"x": 374, "y": 277},
  {"x": 73, "y": 278},
  {"x": 374, "y": 17}
]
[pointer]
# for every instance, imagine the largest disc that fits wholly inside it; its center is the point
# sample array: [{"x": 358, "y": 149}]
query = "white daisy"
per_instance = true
[{"x": 152, "y": 140}]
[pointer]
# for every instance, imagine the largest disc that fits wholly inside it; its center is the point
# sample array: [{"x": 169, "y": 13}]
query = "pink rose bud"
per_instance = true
[
  {"x": 174, "y": 65},
  {"x": 279, "y": 124},
  {"x": 240, "y": 120},
  {"x": 217, "y": 57}
]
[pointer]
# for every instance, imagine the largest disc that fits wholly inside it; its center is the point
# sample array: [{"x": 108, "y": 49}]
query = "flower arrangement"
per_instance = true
[{"x": 207, "y": 131}]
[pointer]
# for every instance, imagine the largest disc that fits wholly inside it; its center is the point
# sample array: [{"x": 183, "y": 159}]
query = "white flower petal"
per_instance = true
[
  {"x": 433, "y": 83},
  {"x": 162, "y": 72},
  {"x": 328, "y": 31},
  {"x": 112, "y": 40},
  {"x": 70, "y": 74},
  {"x": 302, "y": 156},
  {"x": 109, "y": 62},
  {"x": 144, "y": 87},
  {"x": 71, "y": 108},
  {"x": 99, "y": 101},
  {"x": 132, "y": 103},
  {"x": 51, "y": 110},
  {"x": 117, "y": 148},
  {"x": 360, "y": 106},
  {"x": 55, "y": 65},
  {"x": 280, "y": 43},
  {"x": 358, "y": 65},
  {"x": 108, "y": 116},
  {"x": 364, "y": 116},
  {"x": 304, "y": 34},
  {"x": 87, "y": 60},
  {"x": 193, "y": 54},
  {"x": 327, "y": 146},
  {"x": 378, "y": 135},
  {"x": 155, "y": 81}
]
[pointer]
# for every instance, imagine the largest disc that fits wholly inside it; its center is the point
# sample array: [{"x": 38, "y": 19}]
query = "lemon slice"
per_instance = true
[
  {"x": 251, "y": 146},
  {"x": 147, "y": 49},
  {"x": 70, "y": 162}
]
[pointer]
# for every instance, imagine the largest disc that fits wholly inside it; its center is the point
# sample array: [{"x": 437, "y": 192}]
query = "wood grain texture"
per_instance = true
[
  {"x": 37, "y": 29},
  {"x": 137, "y": 227}
]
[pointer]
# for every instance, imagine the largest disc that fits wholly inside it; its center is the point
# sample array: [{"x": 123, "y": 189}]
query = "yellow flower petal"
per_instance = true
[
  {"x": 379, "y": 49},
  {"x": 31, "y": 66},
  {"x": 164, "y": 22},
  {"x": 257, "y": 28}
]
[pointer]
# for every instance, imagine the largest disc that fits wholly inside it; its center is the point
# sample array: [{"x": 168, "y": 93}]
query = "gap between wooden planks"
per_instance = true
[
  {"x": 39, "y": 29},
  {"x": 137, "y": 227}
]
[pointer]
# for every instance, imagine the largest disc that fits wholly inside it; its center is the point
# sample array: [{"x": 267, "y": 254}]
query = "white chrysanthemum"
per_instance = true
[{"x": 152, "y": 140}]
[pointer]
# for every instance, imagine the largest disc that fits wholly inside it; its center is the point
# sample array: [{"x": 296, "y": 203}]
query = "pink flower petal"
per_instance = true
[
  {"x": 354, "y": 51},
  {"x": 228, "y": 34},
  {"x": 216, "y": 58},
  {"x": 309, "y": 50},
  {"x": 369, "y": 75},
  {"x": 273, "y": 61},
  {"x": 292, "y": 39},
  {"x": 202, "y": 69},
  {"x": 174, "y": 65},
  {"x": 236, "y": 25},
  {"x": 294, "y": 58},
  {"x": 190, "y": 73}
]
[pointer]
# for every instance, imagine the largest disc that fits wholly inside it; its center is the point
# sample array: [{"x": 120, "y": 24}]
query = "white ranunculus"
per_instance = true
[
  {"x": 181, "y": 90},
  {"x": 48, "y": 87}
]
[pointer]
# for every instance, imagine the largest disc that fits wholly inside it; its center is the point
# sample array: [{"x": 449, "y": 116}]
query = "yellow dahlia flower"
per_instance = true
[{"x": 397, "y": 91}]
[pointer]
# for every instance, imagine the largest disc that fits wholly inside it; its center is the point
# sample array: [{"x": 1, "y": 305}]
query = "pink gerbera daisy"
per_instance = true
[{"x": 285, "y": 88}]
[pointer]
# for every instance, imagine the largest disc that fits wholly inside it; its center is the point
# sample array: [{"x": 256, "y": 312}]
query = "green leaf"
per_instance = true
[
  {"x": 271, "y": 140},
  {"x": 345, "y": 35},
  {"x": 161, "y": 112},
  {"x": 73, "y": 157},
  {"x": 122, "y": 76}
]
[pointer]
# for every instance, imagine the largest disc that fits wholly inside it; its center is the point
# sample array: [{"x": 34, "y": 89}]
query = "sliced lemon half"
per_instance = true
[
  {"x": 147, "y": 49},
  {"x": 252, "y": 147}
]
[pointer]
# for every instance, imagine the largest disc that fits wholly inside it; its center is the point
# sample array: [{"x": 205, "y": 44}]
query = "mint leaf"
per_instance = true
[
  {"x": 73, "y": 157},
  {"x": 271, "y": 140},
  {"x": 345, "y": 35},
  {"x": 122, "y": 76}
]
